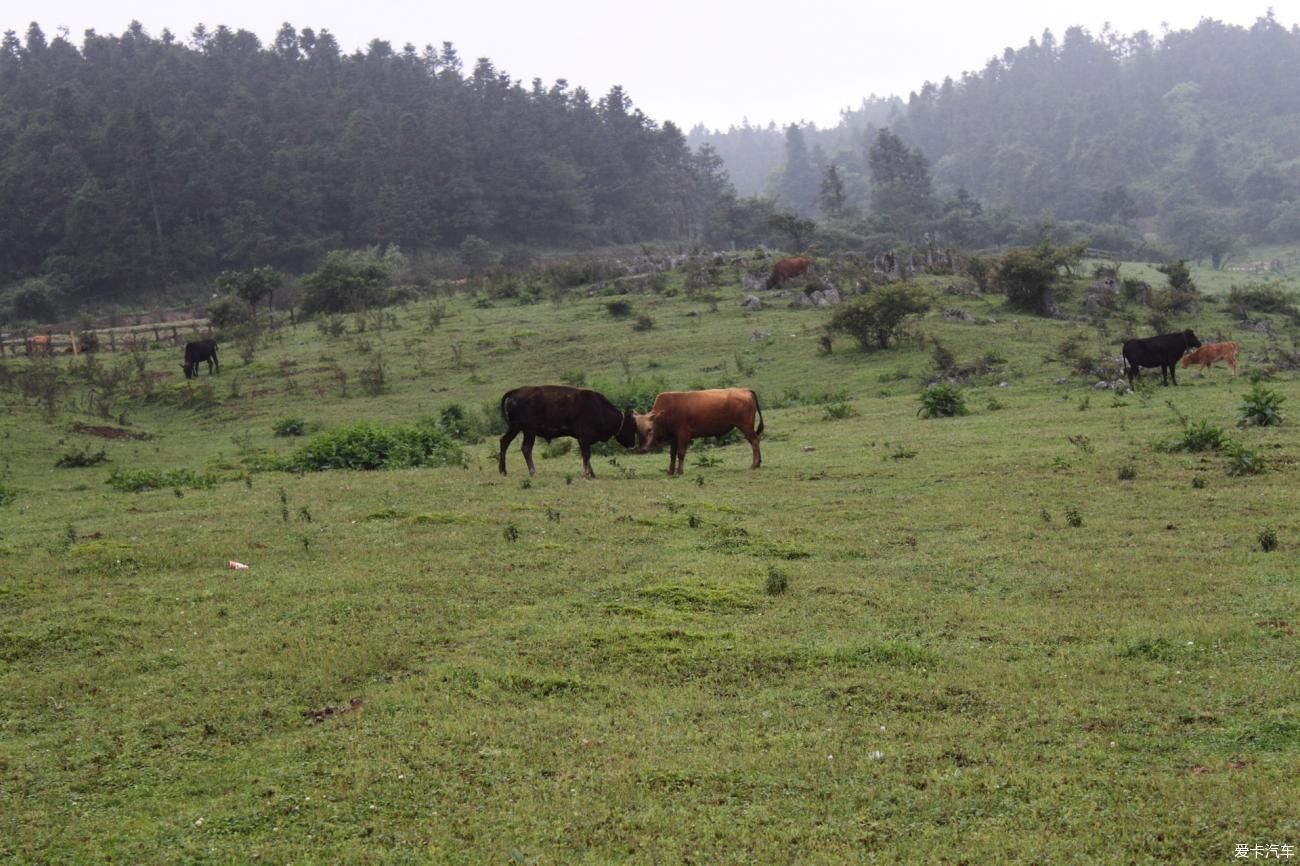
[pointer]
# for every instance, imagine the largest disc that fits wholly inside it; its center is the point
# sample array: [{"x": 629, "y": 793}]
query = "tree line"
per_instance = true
[
  {"x": 133, "y": 164},
  {"x": 1192, "y": 138}
]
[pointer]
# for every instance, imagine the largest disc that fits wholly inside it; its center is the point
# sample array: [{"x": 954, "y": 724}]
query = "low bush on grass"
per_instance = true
[
  {"x": 943, "y": 400},
  {"x": 81, "y": 459},
  {"x": 1241, "y": 460},
  {"x": 290, "y": 427},
  {"x": 1259, "y": 408},
  {"x": 1197, "y": 436},
  {"x": 140, "y": 480},
  {"x": 374, "y": 446}
]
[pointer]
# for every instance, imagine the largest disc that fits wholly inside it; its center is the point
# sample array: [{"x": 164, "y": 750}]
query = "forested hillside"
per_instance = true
[
  {"x": 1194, "y": 136},
  {"x": 132, "y": 163}
]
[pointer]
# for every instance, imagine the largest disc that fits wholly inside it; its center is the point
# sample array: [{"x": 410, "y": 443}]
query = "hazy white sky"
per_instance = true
[{"x": 689, "y": 62}]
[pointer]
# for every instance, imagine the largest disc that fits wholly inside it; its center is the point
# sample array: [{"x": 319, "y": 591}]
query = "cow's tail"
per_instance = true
[
  {"x": 759, "y": 409},
  {"x": 505, "y": 413}
]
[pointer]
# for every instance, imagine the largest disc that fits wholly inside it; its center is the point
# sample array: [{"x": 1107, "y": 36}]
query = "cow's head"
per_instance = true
[
  {"x": 1192, "y": 342},
  {"x": 627, "y": 431},
  {"x": 646, "y": 432},
  {"x": 189, "y": 369}
]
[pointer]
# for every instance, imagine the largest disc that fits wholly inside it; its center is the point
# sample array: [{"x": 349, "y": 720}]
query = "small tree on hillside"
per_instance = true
[
  {"x": 253, "y": 286},
  {"x": 348, "y": 281},
  {"x": 881, "y": 317},
  {"x": 798, "y": 229},
  {"x": 1029, "y": 276}
]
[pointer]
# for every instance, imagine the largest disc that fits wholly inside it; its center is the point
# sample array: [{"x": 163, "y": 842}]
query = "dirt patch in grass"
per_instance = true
[
  {"x": 110, "y": 432},
  {"x": 330, "y": 711}
]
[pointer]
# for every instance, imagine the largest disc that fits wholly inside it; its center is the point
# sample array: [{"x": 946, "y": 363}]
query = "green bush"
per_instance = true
[
  {"x": 1259, "y": 408},
  {"x": 1241, "y": 460},
  {"x": 943, "y": 400},
  {"x": 290, "y": 427},
  {"x": 140, "y": 480},
  {"x": 1197, "y": 436},
  {"x": 880, "y": 319},
  {"x": 373, "y": 446}
]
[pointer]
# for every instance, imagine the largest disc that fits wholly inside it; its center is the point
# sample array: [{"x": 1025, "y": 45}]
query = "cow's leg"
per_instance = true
[
  {"x": 529, "y": 439},
  {"x": 585, "y": 448},
  {"x": 753, "y": 443},
  {"x": 681, "y": 455},
  {"x": 1173, "y": 377},
  {"x": 672, "y": 458},
  {"x": 509, "y": 437}
]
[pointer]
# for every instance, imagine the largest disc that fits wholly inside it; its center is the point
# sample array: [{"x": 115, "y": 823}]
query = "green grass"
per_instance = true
[{"x": 952, "y": 673}]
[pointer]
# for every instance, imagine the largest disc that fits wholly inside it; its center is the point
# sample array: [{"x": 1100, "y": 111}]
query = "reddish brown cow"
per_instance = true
[
  {"x": 677, "y": 417},
  {"x": 1207, "y": 354},
  {"x": 787, "y": 269}
]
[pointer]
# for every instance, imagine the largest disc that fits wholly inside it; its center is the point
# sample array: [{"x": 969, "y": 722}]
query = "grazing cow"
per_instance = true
[
  {"x": 551, "y": 411},
  {"x": 1211, "y": 352},
  {"x": 198, "y": 351},
  {"x": 1162, "y": 351},
  {"x": 787, "y": 269},
  {"x": 677, "y": 417}
]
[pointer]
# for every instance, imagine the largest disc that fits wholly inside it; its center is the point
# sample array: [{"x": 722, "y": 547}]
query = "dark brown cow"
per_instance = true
[
  {"x": 552, "y": 411},
  {"x": 677, "y": 417},
  {"x": 1162, "y": 351},
  {"x": 787, "y": 269},
  {"x": 196, "y": 352}
]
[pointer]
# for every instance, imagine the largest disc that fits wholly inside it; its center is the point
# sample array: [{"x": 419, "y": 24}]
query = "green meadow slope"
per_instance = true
[{"x": 1024, "y": 634}]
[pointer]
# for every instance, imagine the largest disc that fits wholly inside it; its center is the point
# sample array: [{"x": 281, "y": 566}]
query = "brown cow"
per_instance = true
[
  {"x": 1207, "y": 354},
  {"x": 551, "y": 411},
  {"x": 677, "y": 417},
  {"x": 787, "y": 269}
]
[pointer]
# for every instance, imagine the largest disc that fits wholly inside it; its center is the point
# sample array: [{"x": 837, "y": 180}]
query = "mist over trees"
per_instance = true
[
  {"x": 135, "y": 163},
  {"x": 139, "y": 166},
  {"x": 1191, "y": 141}
]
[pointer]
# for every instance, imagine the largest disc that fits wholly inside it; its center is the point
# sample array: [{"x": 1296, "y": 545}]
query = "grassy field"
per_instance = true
[{"x": 1024, "y": 634}]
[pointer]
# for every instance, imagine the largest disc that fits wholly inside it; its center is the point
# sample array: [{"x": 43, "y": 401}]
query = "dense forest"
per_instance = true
[
  {"x": 134, "y": 163},
  {"x": 1193, "y": 139},
  {"x": 136, "y": 166}
]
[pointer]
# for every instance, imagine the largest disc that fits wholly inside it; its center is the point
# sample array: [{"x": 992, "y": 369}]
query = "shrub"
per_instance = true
[
  {"x": 777, "y": 582},
  {"x": 139, "y": 480},
  {"x": 1127, "y": 471},
  {"x": 458, "y": 424},
  {"x": 290, "y": 427},
  {"x": 350, "y": 280},
  {"x": 879, "y": 319},
  {"x": 1261, "y": 299},
  {"x": 1241, "y": 460},
  {"x": 618, "y": 309},
  {"x": 1268, "y": 540},
  {"x": 1073, "y": 517},
  {"x": 643, "y": 323},
  {"x": 373, "y": 446},
  {"x": 1030, "y": 276},
  {"x": 1259, "y": 408},
  {"x": 943, "y": 400},
  {"x": 838, "y": 409},
  {"x": 81, "y": 459},
  {"x": 1197, "y": 436}
]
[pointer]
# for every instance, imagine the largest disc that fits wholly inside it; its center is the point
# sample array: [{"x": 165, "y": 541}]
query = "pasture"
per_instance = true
[{"x": 1023, "y": 634}]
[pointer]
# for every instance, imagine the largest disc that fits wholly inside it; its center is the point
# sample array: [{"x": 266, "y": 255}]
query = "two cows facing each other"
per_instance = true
[
  {"x": 198, "y": 351},
  {"x": 677, "y": 417},
  {"x": 552, "y": 411},
  {"x": 1162, "y": 351}
]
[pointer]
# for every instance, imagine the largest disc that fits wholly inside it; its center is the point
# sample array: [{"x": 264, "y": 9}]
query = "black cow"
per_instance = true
[
  {"x": 198, "y": 351},
  {"x": 551, "y": 411},
  {"x": 1162, "y": 351}
]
